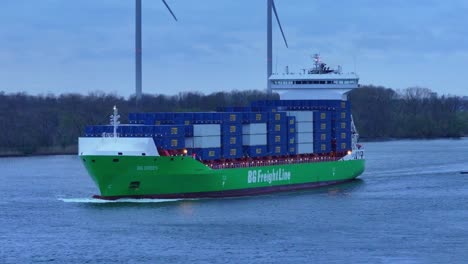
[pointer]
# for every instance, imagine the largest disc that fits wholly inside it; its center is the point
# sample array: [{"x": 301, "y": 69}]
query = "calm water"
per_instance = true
[{"x": 410, "y": 206}]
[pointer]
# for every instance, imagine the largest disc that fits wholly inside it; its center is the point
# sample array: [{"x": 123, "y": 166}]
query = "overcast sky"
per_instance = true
[{"x": 64, "y": 46}]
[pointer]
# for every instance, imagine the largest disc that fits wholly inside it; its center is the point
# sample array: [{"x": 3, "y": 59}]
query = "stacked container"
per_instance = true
[
  {"x": 231, "y": 135},
  {"x": 277, "y": 138},
  {"x": 305, "y": 128},
  {"x": 206, "y": 141},
  {"x": 322, "y": 131},
  {"x": 254, "y": 138},
  {"x": 292, "y": 135},
  {"x": 269, "y": 127},
  {"x": 341, "y": 124}
]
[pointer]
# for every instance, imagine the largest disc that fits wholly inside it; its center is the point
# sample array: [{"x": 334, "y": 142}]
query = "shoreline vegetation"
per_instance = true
[
  {"x": 43, "y": 151},
  {"x": 51, "y": 125}
]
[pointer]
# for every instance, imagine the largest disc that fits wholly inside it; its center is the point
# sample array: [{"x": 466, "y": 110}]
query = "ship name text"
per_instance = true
[
  {"x": 260, "y": 176},
  {"x": 147, "y": 168}
]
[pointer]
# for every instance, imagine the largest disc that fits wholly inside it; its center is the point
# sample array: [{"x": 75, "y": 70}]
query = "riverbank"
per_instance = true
[
  {"x": 385, "y": 139},
  {"x": 43, "y": 151}
]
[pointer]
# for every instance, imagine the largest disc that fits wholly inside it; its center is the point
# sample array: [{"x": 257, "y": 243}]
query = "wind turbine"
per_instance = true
[
  {"x": 138, "y": 51},
  {"x": 271, "y": 7}
]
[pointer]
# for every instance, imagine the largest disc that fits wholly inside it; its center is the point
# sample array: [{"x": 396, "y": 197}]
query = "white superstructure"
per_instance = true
[{"x": 318, "y": 83}]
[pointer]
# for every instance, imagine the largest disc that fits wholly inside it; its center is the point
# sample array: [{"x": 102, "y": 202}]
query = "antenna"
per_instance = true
[
  {"x": 114, "y": 120},
  {"x": 138, "y": 49},
  {"x": 271, "y": 7}
]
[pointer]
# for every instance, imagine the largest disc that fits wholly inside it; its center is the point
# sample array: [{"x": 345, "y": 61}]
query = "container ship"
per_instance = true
[{"x": 304, "y": 140}]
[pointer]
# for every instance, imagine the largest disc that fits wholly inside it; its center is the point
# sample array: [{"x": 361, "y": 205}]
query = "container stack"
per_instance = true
[
  {"x": 322, "y": 132},
  {"x": 292, "y": 135},
  {"x": 341, "y": 125},
  {"x": 206, "y": 141},
  {"x": 305, "y": 128},
  {"x": 277, "y": 138},
  {"x": 166, "y": 136},
  {"x": 254, "y": 138},
  {"x": 266, "y": 128},
  {"x": 231, "y": 135}
]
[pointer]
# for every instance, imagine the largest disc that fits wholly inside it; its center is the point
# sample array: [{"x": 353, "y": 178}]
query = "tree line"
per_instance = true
[
  {"x": 383, "y": 113},
  {"x": 31, "y": 124}
]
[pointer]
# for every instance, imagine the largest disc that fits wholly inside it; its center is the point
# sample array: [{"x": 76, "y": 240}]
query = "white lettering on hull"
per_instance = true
[
  {"x": 147, "y": 168},
  {"x": 259, "y": 176}
]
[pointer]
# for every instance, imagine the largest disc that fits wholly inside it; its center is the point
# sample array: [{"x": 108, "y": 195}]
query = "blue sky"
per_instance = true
[{"x": 62, "y": 46}]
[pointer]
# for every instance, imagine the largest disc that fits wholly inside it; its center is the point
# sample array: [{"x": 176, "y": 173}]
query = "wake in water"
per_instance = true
[
  {"x": 434, "y": 169},
  {"x": 94, "y": 200}
]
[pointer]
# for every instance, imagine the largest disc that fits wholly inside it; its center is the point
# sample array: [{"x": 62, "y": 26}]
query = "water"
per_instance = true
[{"x": 410, "y": 206}]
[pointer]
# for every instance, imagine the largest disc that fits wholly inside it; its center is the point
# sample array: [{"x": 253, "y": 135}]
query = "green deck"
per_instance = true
[{"x": 180, "y": 176}]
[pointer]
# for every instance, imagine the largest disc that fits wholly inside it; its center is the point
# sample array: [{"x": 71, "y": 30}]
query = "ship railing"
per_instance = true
[{"x": 272, "y": 162}]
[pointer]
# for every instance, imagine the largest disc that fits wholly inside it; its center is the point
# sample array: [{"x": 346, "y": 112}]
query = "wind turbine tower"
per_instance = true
[
  {"x": 271, "y": 8},
  {"x": 138, "y": 49}
]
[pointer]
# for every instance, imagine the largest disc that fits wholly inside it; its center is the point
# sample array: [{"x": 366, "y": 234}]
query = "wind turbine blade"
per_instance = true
[
  {"x": 168, "y": 8},
  {"x": 279, "y": 23}
]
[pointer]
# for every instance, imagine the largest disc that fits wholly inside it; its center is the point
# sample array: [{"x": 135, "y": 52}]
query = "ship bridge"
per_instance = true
[{"x": 318, "y": 83}]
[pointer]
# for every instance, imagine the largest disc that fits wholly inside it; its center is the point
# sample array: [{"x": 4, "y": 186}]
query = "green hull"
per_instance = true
[{"x": 175, "y": 177}]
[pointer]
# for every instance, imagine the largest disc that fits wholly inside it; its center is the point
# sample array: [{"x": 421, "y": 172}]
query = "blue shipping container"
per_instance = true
[
  {"x": 138, "y": 131},
  {"x": 341, "y": 115},
  {"x": 231, "y": 129},
  {"x": 256, "y": 151},
  {"x": 232, "y": 152},
  {"x": 292, "y": 149},
  {"x": 231, "y": 141},
  {"x": 278, "y": 149},
  {"x": 341, "y": 135},
  {"x": 170, "y": 142},
  {"x": 291, "y": 138},
  {"x": 342, "y": 125},
  {"x": 169, "y": 130},
  {"x": 132, "y": 118},
  {"x": 277, "y": 116},
  {"x": 127, "y": 131},
  {"x": 277, "y": 138},
  {"x": 188, "y": 130},
  {"x": 322, "y": 116},
  {"x": 322, "y": 147},
  {"x": 232, "y": 117},
  {"x": 266, "y": 109},
  {"x": 183, "y": 118},
  {"x": 338, "y": 104},
  {"x": 277, "y": 126},
  {"x": 322, "y": 136},
  {"x": 291, "y": 125},
  {"x": 323, "y": 126},
  {"x": 148, "y": 131},
  {"x": 254, "y": 117},
  {"x": 207, "y": 153},
  {"x": 141, "y": 118},
  {"x": 206, "y": 118},
  {"x": 343, "y": 145}
]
